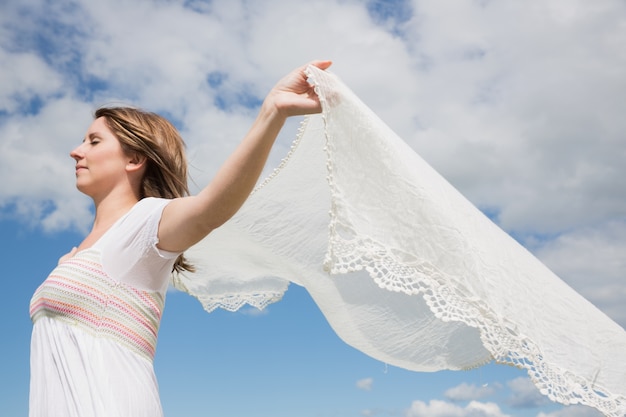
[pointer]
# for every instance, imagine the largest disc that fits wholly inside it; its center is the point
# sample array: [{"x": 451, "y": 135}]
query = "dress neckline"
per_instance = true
[{"x": 95, "y": 244}]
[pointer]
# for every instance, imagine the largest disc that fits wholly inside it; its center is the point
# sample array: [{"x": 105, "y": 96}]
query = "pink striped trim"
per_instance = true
[{"x": 79, "y": 292}]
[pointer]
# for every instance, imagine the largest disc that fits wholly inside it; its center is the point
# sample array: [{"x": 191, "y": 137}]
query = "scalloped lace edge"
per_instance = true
[
  {"x": 233, "y": 303},
  {"x": 451, "y": 303}
]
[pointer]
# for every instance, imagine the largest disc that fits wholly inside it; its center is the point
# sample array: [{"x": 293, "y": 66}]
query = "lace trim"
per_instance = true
[
  {"x": 294, "y": 145},
  {"x": 233, "y": 303},
  {"x": 260, "y": 300},
  {"x": 450, "y": 303},
  {"x": 395, "y": 270}
]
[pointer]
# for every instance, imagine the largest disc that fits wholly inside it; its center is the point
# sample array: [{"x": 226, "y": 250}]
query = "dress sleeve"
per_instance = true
[{"x": 130, "y": 253}]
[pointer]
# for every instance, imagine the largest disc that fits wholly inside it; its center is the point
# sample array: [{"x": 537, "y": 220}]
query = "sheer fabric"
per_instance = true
[{"x": 403, "y": 267}]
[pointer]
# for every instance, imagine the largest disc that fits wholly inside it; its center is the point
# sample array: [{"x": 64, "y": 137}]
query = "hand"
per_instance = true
[
  {"x": 68, "y": 255},
  {"x": 293, "y": 95}
]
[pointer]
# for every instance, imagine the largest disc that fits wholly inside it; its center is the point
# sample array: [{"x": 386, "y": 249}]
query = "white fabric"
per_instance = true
[
  {"x": 403, "y": 267},
  {"x": 129, "y": 251},
  {"x": 79, "y": 368},
  {"x": 74, "y": 374}
]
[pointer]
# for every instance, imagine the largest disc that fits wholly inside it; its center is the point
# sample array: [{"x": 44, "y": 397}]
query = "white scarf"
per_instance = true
[{"x": 403, "y": 267}]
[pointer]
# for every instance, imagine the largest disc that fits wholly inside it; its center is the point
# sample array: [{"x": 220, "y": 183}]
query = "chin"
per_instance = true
[{"x": 83, "y": 188}]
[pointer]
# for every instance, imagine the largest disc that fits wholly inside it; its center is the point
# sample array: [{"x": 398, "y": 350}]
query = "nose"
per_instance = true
[{"x": 77, "y": 153}]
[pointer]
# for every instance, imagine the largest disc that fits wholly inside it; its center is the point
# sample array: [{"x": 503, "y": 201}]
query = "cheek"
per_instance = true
[{"x": 110, "y": 158}]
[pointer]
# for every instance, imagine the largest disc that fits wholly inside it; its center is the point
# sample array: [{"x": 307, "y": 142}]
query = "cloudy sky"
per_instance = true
[{"x": 520, "y": 105}]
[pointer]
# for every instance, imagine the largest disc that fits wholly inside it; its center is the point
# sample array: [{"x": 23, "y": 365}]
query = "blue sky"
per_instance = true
[{"x": 527, "y": 123}]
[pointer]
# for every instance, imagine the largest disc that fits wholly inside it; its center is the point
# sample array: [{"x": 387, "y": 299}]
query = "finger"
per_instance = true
[{"x": 321, "y": 64}]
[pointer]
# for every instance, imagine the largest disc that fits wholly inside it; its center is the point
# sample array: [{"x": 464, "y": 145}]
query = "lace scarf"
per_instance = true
[{"x": 403, "y": 267}]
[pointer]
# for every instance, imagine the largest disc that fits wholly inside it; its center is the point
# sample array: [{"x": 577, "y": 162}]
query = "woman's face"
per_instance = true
[{"x": 100, "y": 162}]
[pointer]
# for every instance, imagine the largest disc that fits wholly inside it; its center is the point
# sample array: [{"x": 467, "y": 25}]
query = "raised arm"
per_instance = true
[{"x": 185, "y": 221}]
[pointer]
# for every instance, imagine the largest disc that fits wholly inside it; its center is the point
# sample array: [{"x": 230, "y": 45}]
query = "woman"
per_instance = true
[{"x": 96, "y": 316}]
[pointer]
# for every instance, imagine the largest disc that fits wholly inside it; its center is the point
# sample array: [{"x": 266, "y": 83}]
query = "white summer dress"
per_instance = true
[{"x": 96, "y": 319}]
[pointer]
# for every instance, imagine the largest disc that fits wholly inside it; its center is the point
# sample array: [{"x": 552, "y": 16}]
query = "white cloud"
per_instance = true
[
  {"x": 524, "y": 394},
  {"x": 365, "y": 384},
  {"x": 438, "y": 408},
  {"x": 25, "y": 78},
  {"x": 465, "y": 392},
  {"x": 587, "y": 256},
  {"x": 573, "y": 411},
  {"x": 253, "y": 311},
  {"x": 37, "y": 172},
  {"x": 524, "y": 122}
]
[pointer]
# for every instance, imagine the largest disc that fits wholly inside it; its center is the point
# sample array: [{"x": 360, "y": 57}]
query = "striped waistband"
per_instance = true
[{"x": 79, "y": 292}]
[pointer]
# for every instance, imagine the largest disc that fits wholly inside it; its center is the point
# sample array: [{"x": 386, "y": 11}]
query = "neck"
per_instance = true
[
  {"x": 108, "y": 211},
  {"x": 111, "y": 208}
]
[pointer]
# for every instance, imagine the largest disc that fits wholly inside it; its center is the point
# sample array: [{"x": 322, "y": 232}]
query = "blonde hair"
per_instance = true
[{"x": 148, "y": 134}]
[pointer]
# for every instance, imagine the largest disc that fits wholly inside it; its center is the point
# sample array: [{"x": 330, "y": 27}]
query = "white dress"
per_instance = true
[{"x": 96, "y": 319}]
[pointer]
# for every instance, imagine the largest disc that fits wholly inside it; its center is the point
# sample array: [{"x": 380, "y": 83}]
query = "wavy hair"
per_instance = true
[{"x": 153, "y": 136}]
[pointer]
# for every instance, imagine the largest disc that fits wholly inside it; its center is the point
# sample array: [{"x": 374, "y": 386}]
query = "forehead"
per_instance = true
[{"x": 99, "y": 127}]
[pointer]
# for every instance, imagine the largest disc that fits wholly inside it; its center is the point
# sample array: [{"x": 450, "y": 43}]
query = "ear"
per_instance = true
[{"x": 136, "y": 162}]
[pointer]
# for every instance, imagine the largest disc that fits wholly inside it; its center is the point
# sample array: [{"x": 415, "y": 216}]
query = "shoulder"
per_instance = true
[
  {"x": 146, "y": 211},
  {"x": 149, "y": 205},
  {"x": 153, "y": 202}
]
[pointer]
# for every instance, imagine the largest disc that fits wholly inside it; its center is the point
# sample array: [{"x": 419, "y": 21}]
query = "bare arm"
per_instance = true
[{"x": 185, "y": 221}]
